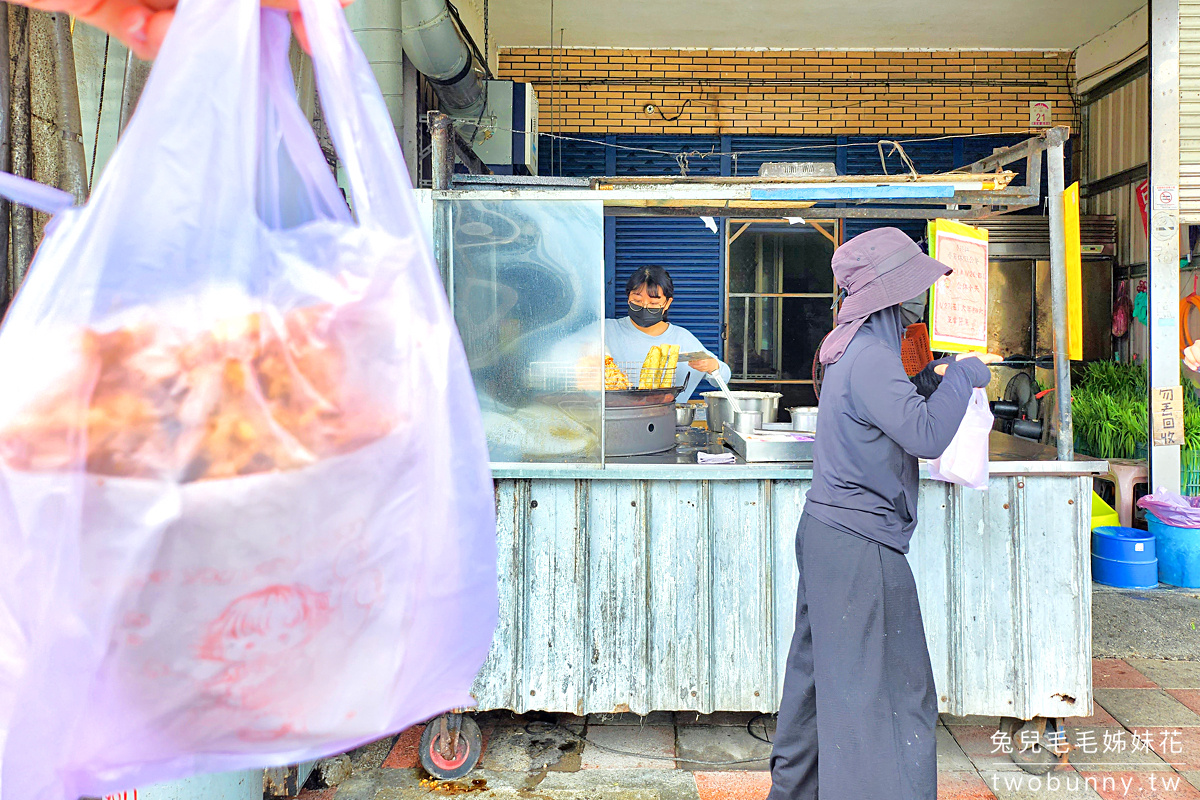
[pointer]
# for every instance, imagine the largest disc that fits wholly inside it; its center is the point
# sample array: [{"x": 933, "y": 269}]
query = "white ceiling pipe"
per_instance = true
[
  {"x": 438, "y": 51},
  {"x": 377, "y": 27}
]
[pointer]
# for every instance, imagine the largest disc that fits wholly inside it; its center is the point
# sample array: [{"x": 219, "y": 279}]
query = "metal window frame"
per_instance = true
[{"x": 776, "y": 226}]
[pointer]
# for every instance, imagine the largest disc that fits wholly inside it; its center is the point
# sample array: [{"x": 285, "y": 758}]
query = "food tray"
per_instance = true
[{"x": 770, "y": 446}]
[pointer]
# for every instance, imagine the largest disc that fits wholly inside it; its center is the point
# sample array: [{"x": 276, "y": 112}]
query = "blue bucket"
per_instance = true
[
  {"x": 1124, "y": 557},
  {"x": 1178, "y": 553}
]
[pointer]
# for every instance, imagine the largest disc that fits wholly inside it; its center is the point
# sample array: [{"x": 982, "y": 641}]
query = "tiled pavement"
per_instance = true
[{"x": 1141, "y": 743}]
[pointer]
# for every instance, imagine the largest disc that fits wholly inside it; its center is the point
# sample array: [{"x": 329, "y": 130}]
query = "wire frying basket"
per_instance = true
[{"x": 594, "y": 374}]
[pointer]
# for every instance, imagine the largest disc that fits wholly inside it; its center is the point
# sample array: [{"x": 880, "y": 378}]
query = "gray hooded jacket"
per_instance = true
[{"x": 874, "y": 423}]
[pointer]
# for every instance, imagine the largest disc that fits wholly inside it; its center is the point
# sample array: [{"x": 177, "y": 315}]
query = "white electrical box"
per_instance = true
[{"x": 507, "y": 137}]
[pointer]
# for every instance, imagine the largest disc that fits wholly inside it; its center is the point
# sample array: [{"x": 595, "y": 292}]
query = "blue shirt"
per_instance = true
[{"x": 628, "y": 345}]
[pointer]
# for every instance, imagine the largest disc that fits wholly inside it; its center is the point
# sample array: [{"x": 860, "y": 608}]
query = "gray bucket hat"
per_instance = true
[{"x": 875, "y": 270}]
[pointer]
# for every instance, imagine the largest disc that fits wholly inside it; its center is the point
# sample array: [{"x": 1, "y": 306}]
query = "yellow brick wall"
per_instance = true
[{"x": 584, "y": 90}]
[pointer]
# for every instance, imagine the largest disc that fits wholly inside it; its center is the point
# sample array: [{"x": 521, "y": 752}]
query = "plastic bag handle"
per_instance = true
[
  {"x": 33, "y": 194},
  {"x": 358, "y": 120},
  {"x": 294, "y": 130}
]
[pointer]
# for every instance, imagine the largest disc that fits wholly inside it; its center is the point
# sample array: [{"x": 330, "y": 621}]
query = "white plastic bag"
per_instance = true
[
  {"x": 965, "y": 461},
  {"x": 246, "y": 517}
]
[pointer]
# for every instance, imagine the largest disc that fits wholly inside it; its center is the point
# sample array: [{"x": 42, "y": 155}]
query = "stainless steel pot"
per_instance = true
[
  {"x": 747, "y": 422},
  {"x": 804, "y": 418},
  {"x": 718, "y": 410},
  {"x": 639, "y": 430},
  {"x": 684, "y": 415}
]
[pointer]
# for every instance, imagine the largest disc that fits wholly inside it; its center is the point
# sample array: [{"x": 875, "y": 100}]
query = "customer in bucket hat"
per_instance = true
[{"x": 859, "y": 707}]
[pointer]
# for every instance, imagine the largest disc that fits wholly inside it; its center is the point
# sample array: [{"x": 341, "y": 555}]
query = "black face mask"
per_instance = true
[{"x": 646, "y": 317}]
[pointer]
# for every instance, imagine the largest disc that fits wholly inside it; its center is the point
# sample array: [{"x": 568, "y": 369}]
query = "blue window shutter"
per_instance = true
[
  {"x": 691, "y": 253},
  {"x": 789, "y": 148},
  {"x": 681, "y": 245},
  {"x": 578, "y": 157}
]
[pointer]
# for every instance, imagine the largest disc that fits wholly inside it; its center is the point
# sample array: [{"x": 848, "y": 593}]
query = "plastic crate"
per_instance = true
[{"x": 914, "y": 349}]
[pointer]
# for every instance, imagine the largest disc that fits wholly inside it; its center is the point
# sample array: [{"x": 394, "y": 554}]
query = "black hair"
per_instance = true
[{"x": 653, "y": 278}]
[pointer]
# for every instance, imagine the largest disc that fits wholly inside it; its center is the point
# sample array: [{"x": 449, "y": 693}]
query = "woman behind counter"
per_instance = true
[{"x": 650, "y": 292}]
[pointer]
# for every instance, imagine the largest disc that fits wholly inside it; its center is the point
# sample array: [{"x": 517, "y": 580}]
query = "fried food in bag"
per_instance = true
[
  {"x": 259, "y": 393},
  {"x": 245, "y": 502}
]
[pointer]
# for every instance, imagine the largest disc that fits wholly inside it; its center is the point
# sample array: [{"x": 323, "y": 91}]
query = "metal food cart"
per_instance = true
[{"x": 658, "y": 583}]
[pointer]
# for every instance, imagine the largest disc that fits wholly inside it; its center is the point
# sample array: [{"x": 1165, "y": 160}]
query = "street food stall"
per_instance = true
[{"x": 636, "y": 577}]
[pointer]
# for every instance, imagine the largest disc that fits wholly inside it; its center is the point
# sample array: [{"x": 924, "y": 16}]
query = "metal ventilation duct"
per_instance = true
[
  {"x": 437, "y": 50},
  {"x": 377, "y": 27}
]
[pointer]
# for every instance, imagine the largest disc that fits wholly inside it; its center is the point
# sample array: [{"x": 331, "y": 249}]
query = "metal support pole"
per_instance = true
[
  {"x": 409, "y": 141},
  {"x": 74, "y": 173},
  {"x": 21, "y": 150},
  {"x": 441, "y": 132},
  {"x": 1058, "y": 291},
  {"x": 1164, "y": 223},
  {"x": 5, "y": 149}
]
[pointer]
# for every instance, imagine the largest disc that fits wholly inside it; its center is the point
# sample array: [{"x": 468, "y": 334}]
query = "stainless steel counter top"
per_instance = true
[{"x": 1009, "y": 456}]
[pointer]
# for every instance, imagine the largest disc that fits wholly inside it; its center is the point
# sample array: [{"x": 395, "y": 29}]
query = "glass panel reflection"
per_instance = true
[{"x": 527, "y": 281}]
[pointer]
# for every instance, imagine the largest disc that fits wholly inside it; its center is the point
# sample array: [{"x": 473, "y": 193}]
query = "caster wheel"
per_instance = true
[
  {"x": 465, "y": 756},
  {"x": 1037, "y": 758}
]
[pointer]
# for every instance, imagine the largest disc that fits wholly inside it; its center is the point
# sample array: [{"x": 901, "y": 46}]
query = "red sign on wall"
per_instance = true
[{"x": 1143, "y": 200}]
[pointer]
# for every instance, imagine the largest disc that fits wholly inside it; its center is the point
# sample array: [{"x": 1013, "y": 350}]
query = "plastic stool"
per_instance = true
[{"x": 1125, "y": 476}]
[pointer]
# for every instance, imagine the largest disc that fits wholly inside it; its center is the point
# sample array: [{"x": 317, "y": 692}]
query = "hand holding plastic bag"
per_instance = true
[
  {"x": 965, "y": 461},
  {"x": 245, "y": 510}
]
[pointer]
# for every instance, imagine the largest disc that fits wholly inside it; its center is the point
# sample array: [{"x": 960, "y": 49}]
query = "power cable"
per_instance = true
[
  {"x": 679, "y": 114},
  {"x": 462, "y": 29},
  {"x": 99, "y": 113},
  {"x": 764, "y": 151},
  {"x": 766, "y": 737}
]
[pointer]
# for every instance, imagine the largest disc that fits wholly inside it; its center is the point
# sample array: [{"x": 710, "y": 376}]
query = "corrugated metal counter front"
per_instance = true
[{"x": 671, "y": 586}]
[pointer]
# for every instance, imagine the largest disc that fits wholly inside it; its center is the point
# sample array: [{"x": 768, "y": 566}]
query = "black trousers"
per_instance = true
[{"x": 859, "y": 707}]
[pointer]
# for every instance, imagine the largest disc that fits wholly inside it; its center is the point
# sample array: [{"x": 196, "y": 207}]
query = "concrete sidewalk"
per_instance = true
[{"x": 1142, "y": 742}]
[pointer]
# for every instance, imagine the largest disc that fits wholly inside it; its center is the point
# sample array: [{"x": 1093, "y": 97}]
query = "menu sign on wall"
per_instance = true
[{"x": 958, "y": 319}]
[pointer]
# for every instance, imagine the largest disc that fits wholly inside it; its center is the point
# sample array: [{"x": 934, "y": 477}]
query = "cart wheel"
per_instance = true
[
  {"x": 466, "y": 754},
  {"x": 1038, "y": 758}
]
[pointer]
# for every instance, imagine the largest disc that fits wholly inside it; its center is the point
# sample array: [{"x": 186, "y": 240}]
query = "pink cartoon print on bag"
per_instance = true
[{"x": 261, "y": 639}]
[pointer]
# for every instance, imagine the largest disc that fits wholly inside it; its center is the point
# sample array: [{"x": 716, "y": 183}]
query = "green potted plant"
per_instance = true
[{"x": 1111, "y": 412}]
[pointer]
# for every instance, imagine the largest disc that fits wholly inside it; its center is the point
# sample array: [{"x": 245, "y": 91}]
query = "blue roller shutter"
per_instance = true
[
  {"x": 578, "y": 157},
  {"x": 748, "y": 155},
  {"x": 653, "y": 154},
  {"x": 683, "y": 246},
  {"x": 691, "y": 253}
]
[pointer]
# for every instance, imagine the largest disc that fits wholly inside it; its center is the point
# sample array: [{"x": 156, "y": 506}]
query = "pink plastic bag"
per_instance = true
[
  {"x": 965, "y": 461},
  {"x": 246, "y": 517},
  {"x": 1173, "y": 508}
]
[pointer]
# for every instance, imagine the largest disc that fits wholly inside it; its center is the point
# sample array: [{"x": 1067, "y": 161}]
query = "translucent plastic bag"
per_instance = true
[
  {"x": 245, "y": 511},
  {"x": 1173, "y": 508},
  {"x": 965, "y": 461}
]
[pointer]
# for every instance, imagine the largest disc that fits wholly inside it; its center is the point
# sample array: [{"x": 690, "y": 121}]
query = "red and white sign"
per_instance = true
[
  {"x": 1166, "y": 197},
  {"x": 1143, "y": 199},
  {"x": 959, "y": 315}
]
